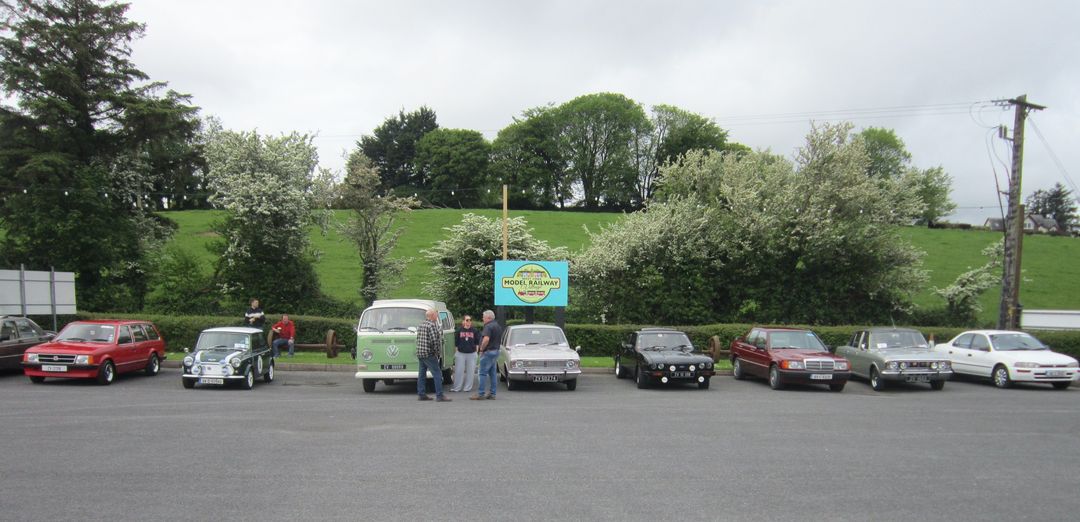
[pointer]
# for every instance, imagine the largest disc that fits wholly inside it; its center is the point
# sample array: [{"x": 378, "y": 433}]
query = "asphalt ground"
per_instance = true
[{"x": 313, "y": 446}]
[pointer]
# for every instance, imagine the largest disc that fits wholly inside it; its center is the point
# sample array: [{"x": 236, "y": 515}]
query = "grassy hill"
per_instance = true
[{"x": 1051, "y": 270}]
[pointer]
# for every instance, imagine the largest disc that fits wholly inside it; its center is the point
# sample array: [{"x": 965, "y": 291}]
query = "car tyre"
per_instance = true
[
  {"x": 703, "y": 385},
  {"x": 39, "y": 380},
  {"x": 774, "y": 378},
  {"x": 106, "y": 374},
  {"x": 269, "y": 377},
  {"x": 571, "y": 385},
  {"x": 1001, "y": 377},
  {"x": 876, "y": 382},
  {"x": 188, "y": 383},
  {"x": 447, "y": 377},
  {"x": 153, "y": 366},
  {"x": 504, "y": 375},
  {"x": 618, "y": 369},
  {"x": 837, "y": 386},
  {"x": 249, "y": 379},
  {"x": 510, "y": 385},
  {"x": 369, "y": 385},
  {"x": 737, "y": 369},
  {"x": 641, "y": 379},
  {"x": 1056, "y": 385},
  {"x": 937, "y": 385}
]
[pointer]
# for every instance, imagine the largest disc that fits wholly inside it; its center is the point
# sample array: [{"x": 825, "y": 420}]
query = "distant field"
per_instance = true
[{"x": 1051, "y": 264}]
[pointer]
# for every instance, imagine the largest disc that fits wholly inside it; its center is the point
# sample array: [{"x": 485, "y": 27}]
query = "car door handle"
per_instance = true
[{"x": 969, "y": 355}]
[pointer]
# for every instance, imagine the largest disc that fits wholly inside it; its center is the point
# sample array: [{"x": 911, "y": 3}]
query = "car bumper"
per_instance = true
[
  {"x": 1042, "y": 375},
  {"x": 390, "y": 374},
  {"x": 910, "y": 376},
  {"x": 802, "y": 377},
  {"x": 72, "y": 371},
  {"x": 543, "y": 376},
  {"x": 666, "y": 376}
]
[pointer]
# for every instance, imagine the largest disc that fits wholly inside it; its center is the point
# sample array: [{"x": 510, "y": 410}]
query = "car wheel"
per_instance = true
[
  {"x": 154, "y": 366},
  {"x": 269, "y": 377},
  {"x": 737, "y": 369},
  {"x": 618, "y": 369},
  {"x": 703, "y": 385},
  {"x": 39, "y": 380},
  {"x": 571, "y": 385},
  {"x": 189, "y": 383},
  {"x": 1056, "y": 385},
  {"x": 107, "y": 373},
  {"x": 876, "y": 382},
  {"x": 937, "y": 385},
  {"x": 369, "y": 385},
  {"x": 504, "y": 375},
  {"x": 837, "y": 386},
  {"x": 774, "y": 378},
  {"x": 249, "y": 379},
  {"x": 1001, "y": 376},
  {"x": 510, "y": 385},
  {"x": 641, "y": 379}
]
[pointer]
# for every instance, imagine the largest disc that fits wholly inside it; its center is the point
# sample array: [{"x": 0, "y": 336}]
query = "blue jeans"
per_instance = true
[
  {"x": 429, "y": 363},
  {"x": 279, "y": 342},
  {"x": 488, "y": 371}
]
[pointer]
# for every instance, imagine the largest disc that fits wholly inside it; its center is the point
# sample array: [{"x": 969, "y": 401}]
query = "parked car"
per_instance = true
[
  {"x": 881, "y": 355},
  {"x": 18, "y": 334},
  {"x": 99, "y": 350},
  {"x": 1007, "y": 357},
  {"x": 788, "y": 356},
  {"x": 386, "y": 341},
  {"x": 663, "y": 355},
  {"x": 538, "y": 353},
  {"x": 229, "y": 355}
]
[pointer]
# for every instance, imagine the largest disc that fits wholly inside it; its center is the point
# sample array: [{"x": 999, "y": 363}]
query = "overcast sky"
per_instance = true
[{"x": 762, "y": 69}]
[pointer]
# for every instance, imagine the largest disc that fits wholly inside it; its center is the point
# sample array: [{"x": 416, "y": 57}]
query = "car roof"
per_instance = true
[
  {"x": 991, "y": 332},
  {"x": 658, "y": 329},
  {"x": 531, "y": 325},
  {"x": 110, "y": 321},
  {"x": 778, "y": 329},
  {"x": 234, "y": 329},
  {"x": 408, "y": 303},
  {"x": 879, "y": 329}
]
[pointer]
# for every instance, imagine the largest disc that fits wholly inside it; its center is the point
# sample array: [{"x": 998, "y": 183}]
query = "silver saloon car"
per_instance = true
[
  {"x": 538, "y": 353},
  {"x": 881, "y": 355}
]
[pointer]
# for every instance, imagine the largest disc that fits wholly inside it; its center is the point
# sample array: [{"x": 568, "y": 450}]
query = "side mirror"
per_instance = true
[
  {"x": 50, "y": 335},
  {"x": 577, "y": 348}
]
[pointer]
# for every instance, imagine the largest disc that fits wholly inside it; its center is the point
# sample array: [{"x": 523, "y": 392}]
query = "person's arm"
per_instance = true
[{"x": 484, "y": 343}]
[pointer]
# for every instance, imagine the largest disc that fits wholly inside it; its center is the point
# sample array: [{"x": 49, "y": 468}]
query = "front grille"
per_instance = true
[
  {"x": 545, "y": 364},
  {"x": 918, "y": 364},
  {"x": 820, "y": 365},
  {"x": 56, "y": 359}
]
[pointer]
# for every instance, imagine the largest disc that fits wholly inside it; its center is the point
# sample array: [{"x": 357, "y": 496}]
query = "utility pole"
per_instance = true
[{"x": 1009, "y": 311}]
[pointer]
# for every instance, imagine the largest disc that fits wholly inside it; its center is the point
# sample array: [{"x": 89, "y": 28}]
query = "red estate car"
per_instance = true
[
  {"x": 788, "y": 356},
  {"x": 97, "y": 350}
]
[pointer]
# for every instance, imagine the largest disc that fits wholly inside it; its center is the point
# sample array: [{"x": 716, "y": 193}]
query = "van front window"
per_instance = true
[{"x": 391, "y": 319}]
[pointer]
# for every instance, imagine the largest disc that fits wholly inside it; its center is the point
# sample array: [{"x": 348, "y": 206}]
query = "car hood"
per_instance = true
[
  {"x": 1035, "y": 356},
  {"x": 674, "y": 357},
  {"x": 542, "y": 353},
  {"x": 215, "y": 356},
  {"x": 70, "y": 348},
  {"x": 799, "y": 355}
]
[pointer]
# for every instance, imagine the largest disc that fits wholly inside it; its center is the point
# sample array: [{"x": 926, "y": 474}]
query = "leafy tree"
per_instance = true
[
  {"x": 1057, "y": 204},
  {"x": 962, "y": 297},
  {"x": 392, "y": 147},
  {"x": 596, "y": 131},
  {"x": 526, "y": 156},
  {"x": 464, "y": 262},
  {"x": 180, "y": 285},
  {"x": 372, "y": 226},
  {"x": 887, "y": 153},
  {"x": 672, "y": 133},
  {"x": 929, "y": 188},
  {"x": 86, "y": 143},
  {"x": 454, "y": 165},
  {"x": 263, "y": 184}
]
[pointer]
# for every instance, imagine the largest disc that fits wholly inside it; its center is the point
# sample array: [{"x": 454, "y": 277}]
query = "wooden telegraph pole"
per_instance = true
[{"x": 1009, "y": 312}]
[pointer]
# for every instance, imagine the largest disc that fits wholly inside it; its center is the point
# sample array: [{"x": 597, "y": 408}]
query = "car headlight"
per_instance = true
[
  {"x": 793, "y": 365},
  {"x": 934, "y": 365},
  {"x": 367, "y": 355},
  {"x": 570, "y": 365},
  {"x": 946, "y": 365},
  {"x": 195, "y": 369},
  {"x": 189, "y": 360},
  {"x": 841, "y": 365},
  {"x": 82, "y": 359},
  {"x": 519, "y": 364},
  {"x": 692, "y": 367},
  {"x": 903, "y": 365},
  {"x": 32, "y": 357},
  {"x": 892, "y": 365},
  {"x": 1026, "y": 365},
  {"x": 671, "y": 368},
  {"x": 659, "y": 366},
  {"x": 235, "y": 362}
]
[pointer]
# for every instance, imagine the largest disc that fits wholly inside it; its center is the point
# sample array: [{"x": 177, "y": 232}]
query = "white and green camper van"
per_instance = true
[{"x": 386, "y": 341}]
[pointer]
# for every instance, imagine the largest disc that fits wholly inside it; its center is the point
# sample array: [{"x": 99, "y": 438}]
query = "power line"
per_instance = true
[{"x": 1054, "y": 156}]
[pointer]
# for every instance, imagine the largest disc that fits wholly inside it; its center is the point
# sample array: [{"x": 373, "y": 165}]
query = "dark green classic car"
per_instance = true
[{"x": 229, "y": 355}]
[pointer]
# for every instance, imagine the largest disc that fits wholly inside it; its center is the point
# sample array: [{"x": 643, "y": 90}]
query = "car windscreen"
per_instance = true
[
  {"x": 223, "y": 341},
  {"x": 391, "y": 319},
  {"x": 901, "y": 339},
  {"x": 1016, "y": 341},
  {"x": 799, "y": 340},
  {"x": 664, "y": 341},
  {"x": 87, "y": 333},
  {"x": 536, "y": 336}
]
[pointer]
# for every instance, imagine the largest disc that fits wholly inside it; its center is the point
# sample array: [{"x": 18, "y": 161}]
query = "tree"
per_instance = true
[
  {"x": 392, "y": 147},
  {"x": 1057, "y": 204},
  {"x": 464, "y": 262},
  {"x": 595, "y": 133},
  {"x": 672, "y": 133},
  {"x": 372, "y": 226},
  {"x": 83, "y": 147},
  {"x": 454, "y": 164},
  {"x": 526, "y": 156},
  {"x": 930, "y": 190},
  {"x": 887, "y": 153},
  {"x": 962, "y": 297},
  {"x": 262, "y": 183}
]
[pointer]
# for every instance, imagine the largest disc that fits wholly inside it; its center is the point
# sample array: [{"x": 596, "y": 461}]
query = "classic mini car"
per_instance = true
[
  {"x": 386, "y": 341},
  {"x": 895, "y": 354},
  {"x": 538, "y": 353},
  {"x": 229, "y": 355},
  {"x": 1007, "y": 357},
  {"x": 97, "y": 350},
  {"x": 17, "y": 334},
  {"x": 788, "y": 356},
  {"x": 662, "y": 355}
]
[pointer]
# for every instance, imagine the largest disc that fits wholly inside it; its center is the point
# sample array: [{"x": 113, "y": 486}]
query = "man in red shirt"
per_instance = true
[{"x": 286, "y": 331}]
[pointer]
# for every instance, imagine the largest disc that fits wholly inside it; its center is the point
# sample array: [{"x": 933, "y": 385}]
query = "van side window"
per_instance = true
[{"x": 446, "y": 321}]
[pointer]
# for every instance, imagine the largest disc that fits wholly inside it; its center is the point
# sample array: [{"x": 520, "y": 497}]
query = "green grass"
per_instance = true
[
  {"x": 1051, "y": 264},
  {"x": 343, "y": 358}
]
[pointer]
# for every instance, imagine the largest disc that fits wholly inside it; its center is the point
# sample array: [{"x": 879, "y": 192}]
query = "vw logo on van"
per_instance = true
[{"x": 392, "y": 351}]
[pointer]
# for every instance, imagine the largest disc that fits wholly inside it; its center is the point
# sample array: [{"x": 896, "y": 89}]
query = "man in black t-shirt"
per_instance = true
[{"x": 489, "y": 356}]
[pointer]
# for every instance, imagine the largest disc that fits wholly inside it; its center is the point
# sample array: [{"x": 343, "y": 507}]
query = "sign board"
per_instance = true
[
  {"x": 1050, "y": 319},
  {"x": 531, "y": 283},
  {"x": 35, "y": 292}
]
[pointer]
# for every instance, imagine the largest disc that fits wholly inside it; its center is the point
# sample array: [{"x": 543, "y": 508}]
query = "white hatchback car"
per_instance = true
[{"x": 1008, "y": 357}]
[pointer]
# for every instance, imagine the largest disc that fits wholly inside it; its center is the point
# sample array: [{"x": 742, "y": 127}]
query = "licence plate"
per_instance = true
[
  {"x": 682, "y": 374},
  {"x": 206, "y": 380},
  {"x": 821, "y": 376},
  {"x": 392, "y": 366},
  {"x": 1055, "y": 373},
  {"x": 917, "y": 378},
  {"x": 545, "y": 378},
  {"x": 52, "y": 368}
]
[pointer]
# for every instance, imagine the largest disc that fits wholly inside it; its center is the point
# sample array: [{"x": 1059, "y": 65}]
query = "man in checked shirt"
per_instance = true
[{"x": 429, "y": 345}]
